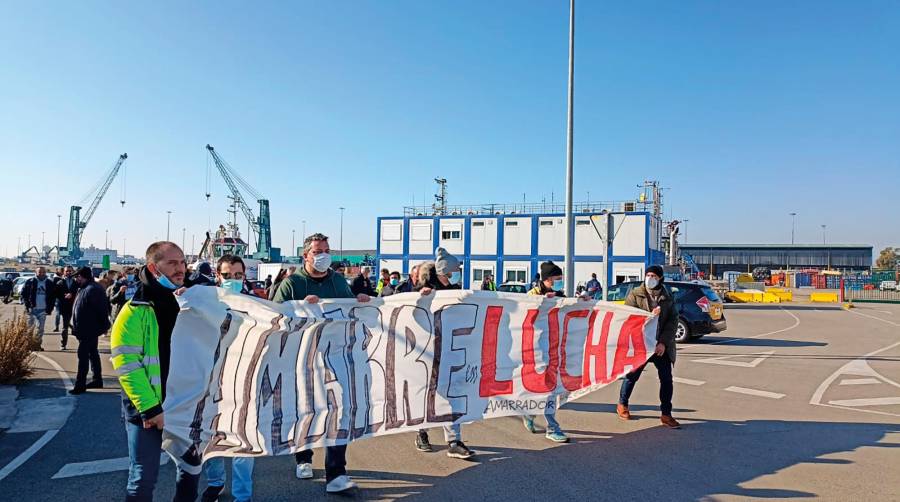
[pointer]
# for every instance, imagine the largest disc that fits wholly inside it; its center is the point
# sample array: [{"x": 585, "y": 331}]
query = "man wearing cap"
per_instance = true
[
  {"x": 90, "y": 319},
  {"x": 551, "y": 285},
  {"x": 653, "y": 297},
  {"x": 445, "y": 273}
]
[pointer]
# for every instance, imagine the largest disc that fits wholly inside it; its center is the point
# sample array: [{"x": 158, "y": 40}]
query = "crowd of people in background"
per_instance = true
[{"x": 138, "y": 307}]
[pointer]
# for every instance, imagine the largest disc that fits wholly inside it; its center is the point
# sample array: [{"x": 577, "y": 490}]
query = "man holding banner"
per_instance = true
[
  {"x": 140, "y": 345},
  {"x": 315, "y": 281},
  {"x": 653, "y": 297}
]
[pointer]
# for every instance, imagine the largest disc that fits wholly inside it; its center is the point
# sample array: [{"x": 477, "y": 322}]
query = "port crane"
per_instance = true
[
  {"x": 260, "y": 227},
  {"x": 71, "y": 254}
]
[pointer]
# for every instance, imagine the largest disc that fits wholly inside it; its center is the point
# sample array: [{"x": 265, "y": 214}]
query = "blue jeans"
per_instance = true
[
  {"x": 550, "y": 416},
  {"x": 144, "y": 448},
  {"x": 241, "y": 476},
  {"x": 664, "y": 370}
]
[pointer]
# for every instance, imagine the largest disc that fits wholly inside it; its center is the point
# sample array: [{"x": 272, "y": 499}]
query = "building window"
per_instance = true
[
  {"x": 546, "y": 223},
  {"x": 582, "y": 222},
  {"x": 479, "y": 273},
  {"x": 420, "y": 232},
  {"x": 453, "y": 235},
  {"x": 511, "y": 223},
  {"x": 477, "y": 223},
  {"x": 391, "y": 232},
  {"x": 516, "y": 275}
]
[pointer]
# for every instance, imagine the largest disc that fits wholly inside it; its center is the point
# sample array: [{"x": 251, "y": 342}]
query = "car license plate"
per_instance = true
[{"x": 715, "y": 312}]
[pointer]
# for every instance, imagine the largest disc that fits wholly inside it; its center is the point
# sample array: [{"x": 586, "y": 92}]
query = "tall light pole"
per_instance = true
[
  {"x": 684, "y": 222},
  {"x": 570, "y": 218},
  {"x": 342, "y": 235},
  {"x": 58, "y": 223},
  {"x": 42, "y": 238},
  {"x": 793, "y": 220},
  {"x": 303, "y": 234},
  {"x": 123, "y": 246},
  {"x": 106, "y": 240},
  {"x": 293, "y": 241},
  {"x": 823, "y": 234},
  {"x": 183, "y": 235},
  {"x": 168, "y": 222}
]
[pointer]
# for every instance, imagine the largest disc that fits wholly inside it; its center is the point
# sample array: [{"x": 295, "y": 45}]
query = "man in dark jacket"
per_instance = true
[
  {"x": 409, "y": 285},
  {"x": 38, "y": 296},
  {"x": 90, "y": 319},
  {"x": 361, "y": 284},
  {"x": 66, "y": 289},
  {"x": 653, "y": 297},
  {"x": 314, "y": 281}
]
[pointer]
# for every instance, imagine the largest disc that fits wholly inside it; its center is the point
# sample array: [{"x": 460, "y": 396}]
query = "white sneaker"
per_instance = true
[
  {"x": 304, "y": 471},
  {"x": 340, "y": 484}
]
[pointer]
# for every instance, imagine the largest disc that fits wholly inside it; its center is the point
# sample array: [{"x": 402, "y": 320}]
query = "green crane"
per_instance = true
[
  {"x": 71, "y": 254},
  {"x": 261, "y": 227}
]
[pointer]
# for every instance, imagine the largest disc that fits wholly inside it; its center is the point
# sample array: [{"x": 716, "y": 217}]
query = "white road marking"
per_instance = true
[
  {"x": 874, "y": 401},
  {"x": 796, "y": 323},
  {"x": 43, "y": 440},
  {"x": 725, "y": 360},
  {"x": 687, "y": 381},
  {"x": 856, "y": 367},
  {"x": 754, "y": 392},
  {"x": 25, "y": 455},
  {"x": 62, "y": 373},
  {"x": 99, "y": 466},
  {"x": 859, "y": 381}
]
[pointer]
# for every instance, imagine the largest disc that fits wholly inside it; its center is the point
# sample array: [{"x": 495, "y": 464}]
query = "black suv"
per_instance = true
[{"x": 700, "y": 309}]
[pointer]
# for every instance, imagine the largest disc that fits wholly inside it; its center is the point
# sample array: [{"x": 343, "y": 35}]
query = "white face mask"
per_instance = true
[
  {"x": 651, "y": 282},
  {"x": 321, "y": 262}
]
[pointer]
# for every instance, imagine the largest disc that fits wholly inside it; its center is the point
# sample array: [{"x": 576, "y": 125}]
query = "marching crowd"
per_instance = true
[{"x": 139, "y": 309}]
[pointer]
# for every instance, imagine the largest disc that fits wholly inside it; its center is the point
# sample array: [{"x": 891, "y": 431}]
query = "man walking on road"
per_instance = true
[
  {"x": 90, "y": 319},
  {"x": 38, "y": 296},
  {"x": 653, "y": 297},
  {"x": 229, "y": 276},
  {"x": 141, "y": 348},
  {"x": 66, "y": 289},
  {"x": 316, "y": 280}
]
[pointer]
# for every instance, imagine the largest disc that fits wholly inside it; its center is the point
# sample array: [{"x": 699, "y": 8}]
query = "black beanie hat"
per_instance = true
[
  {"x": 549, "y": 269},
  {"x": 656, "y": 269}
]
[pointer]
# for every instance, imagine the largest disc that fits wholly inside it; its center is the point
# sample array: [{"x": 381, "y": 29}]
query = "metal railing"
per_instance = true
[
  {"x": 588, "y": 207},
  {"x": 871, "y": 295}
]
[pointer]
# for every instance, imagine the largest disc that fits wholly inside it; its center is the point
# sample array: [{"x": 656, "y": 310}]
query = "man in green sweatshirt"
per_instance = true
[{"x": 314, "y": 281}]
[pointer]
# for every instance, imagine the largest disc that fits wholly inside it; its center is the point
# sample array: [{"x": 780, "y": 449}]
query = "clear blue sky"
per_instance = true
[{"x": 746, "y": 111}]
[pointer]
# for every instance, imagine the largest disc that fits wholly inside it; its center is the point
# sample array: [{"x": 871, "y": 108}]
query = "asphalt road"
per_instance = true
[{"x": 795, "y": 402}]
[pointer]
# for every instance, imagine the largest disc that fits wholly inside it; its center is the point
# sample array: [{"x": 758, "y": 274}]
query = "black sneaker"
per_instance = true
[
  {"x": 458, "y": 449},
  {"x": 96, "y": 384},
  {"x": 422, "y": 443},
  {"x": 211, "y": 494},
  {"x": 76, "y": 391}
]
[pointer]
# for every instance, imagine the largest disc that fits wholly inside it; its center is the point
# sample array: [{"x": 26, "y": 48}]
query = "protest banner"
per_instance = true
[{"x": 250, "y": 377}]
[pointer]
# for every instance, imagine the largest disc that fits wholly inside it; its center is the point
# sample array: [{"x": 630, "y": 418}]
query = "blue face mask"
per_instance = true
[
  {"x": 233, "y": 285},
  {"x": 130, "y": 277},
  {"x": 395, "y": 282},
  {"x": 558, "y": 285},
  {"x": 455, "y": 277},
  {"x": 166, "y": 283}
]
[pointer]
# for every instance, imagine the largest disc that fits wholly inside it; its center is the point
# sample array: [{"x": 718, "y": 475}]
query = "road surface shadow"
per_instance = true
[
  {"x": 757, "y": 342},
  {"x": 703, "y": 459}
]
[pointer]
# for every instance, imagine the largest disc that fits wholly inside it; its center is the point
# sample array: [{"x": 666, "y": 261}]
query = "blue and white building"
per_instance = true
[{"x": 511, "y": 245}]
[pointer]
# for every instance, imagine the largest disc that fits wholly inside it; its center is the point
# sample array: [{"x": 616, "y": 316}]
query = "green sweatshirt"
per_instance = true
[{"x": 299, "y": 285}]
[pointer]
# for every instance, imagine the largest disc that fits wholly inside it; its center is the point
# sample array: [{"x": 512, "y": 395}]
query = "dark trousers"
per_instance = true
[
  {"x": 144, "y": 448},
  {"x": 67, "y": 323},
  {"x": 664, "y": 369},
  {"x": 335, "y": 460},
  {"x": 88, "y": 355}
]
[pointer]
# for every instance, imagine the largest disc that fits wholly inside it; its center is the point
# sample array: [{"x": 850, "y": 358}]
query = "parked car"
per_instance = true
[
  {"x": 513, "y": 287},
  {"x": 10, "y": 275},
  {"x": 18, "y": 285},
  {"x": 6, "y": 287},
  {"x": 700, "y": 310},
  {"x": 888, "y": 285}
]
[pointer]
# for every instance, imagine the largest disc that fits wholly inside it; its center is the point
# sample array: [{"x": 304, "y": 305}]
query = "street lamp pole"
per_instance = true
[
  {"x": 168, "y": 222},
  {"x": 183, "y": 236},
  {"x": 106, "y": 241},
  {"x": 570, "y": 218},
  {"x": 303, "y": 234},
  {"x": 823, "y": 234},
  {"x": 58, "y": 223},
  {"x": 293, "y": 241},
  {"x": 793, "y": 220},
  {"x": 342, "y": 235}
]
